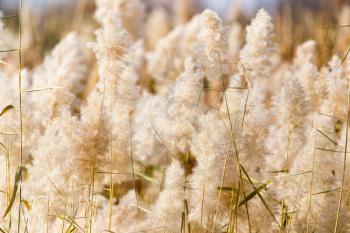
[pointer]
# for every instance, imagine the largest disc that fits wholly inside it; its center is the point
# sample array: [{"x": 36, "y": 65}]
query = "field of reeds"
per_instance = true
[{"x": 126, "y": 118}]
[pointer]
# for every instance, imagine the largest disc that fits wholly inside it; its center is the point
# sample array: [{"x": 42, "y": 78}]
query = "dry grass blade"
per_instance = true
[
  {"x": 73, "y": 225},
  {"x": 346, "y": 55},
  {"x": 6, "y": 109},
  {"x": 146, "y": 177},
  {"x": 261, "y": 198},
  {"x": 327, "y": 191},
  {"x": 254, "y": 193},
  {"x": 340, "y": 26},
  {"x": 186, "y": 216},
  {"x": 228, "y": 189},
  {"x": 328, "y": 115},
  {"x": 183, "y": 229},
  {"x": 329, "y": 150},
  {"x": 18, "y": 177},
  {"x": 3, "y": 146},
  {"x": 2, "y": 230},
  {"x": 284, "y": 216},
  {"x": 43, "y": 89},
  {"x": 326, "y": 136},
  {"x": 71, "y": 228},
  {"x": 8, "y": 50},
  {"x": 26, "y": 204},
  {"x": 8, "y": 17},
  {"x": 279, "y": 171}
]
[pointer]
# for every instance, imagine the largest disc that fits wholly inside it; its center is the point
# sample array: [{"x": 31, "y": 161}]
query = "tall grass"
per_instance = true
[{"x": 176, "y": 122}]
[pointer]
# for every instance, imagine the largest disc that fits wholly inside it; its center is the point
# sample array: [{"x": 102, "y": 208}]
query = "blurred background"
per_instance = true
[
  {"x": 248, "y": 7},
  {"x": 296, "y": 21}
]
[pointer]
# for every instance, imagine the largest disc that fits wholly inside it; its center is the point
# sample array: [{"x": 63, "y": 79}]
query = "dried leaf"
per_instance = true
[
  {"x": 226, "y": 188},
  {"x": 15, "y": 188},
  {"x": 71, "y": 228},
  {"x": 26, "y": 204},
  {"x": 146, "y": 177},
  {"x": 6, "y": 109},
  {"x": 254, "y": 193}
]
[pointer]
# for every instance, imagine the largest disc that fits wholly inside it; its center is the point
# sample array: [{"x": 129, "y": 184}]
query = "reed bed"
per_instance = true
[{"x": 145, "y": 121}]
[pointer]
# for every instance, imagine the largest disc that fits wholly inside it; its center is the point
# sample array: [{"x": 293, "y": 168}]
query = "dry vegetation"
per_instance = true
[{"x": 174, "y": 122}]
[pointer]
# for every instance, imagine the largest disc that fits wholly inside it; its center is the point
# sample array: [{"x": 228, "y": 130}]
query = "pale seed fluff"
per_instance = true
[
  {"x": 145, "y": 134},
  {"x": 167, "y": 210},
  {"x": 255, "y": 57},
  {"x": 254, "y": 68},
  {"x": 113, "y": 50},
  {"x": 131, "y": 13},
  {"x": 314, "y": 199},
  {"x": 309, "y": 76},
  {"x": 286, "y": 138},
  {"x": 289, "y": 139},
  {"x": 61, "y": 74},
  {"x": 121, "y": 121},
  {"x": 102, "y": 7},
  {"x": 210, "y": 147},
  {"x": 323, "y": 173},
  {"x": 305, "y": 52},
  {"x": 112, "y": 41},
  {"x": 48, "y": 182},
  {"x": 120, "y": 218},
  {"x": 162, "y": 60},
  {"x": 63, "y": 67},
  {"x": 254, "y": 132},
  {"x": 118, "y": 82},
  {"x": 150, "y": 148},
  {"x": 337, "y": 88},
  {"x": 210, "y": 47},
  {"x": 234, "y": 98},
  {"x": 182, "y": 111},
  {"x": 187, "y": 43},
  {"x": 165, "y": 123},
  {"x": 10, "y": 145},
  {"x": 78, "y": 149},
  {"x": 91, "y": 135}
]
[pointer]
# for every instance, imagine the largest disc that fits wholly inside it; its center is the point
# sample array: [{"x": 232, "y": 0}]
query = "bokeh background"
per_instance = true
[
  {"x": 47, "y": 21},
  {"x": 247, "y": 6}
]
